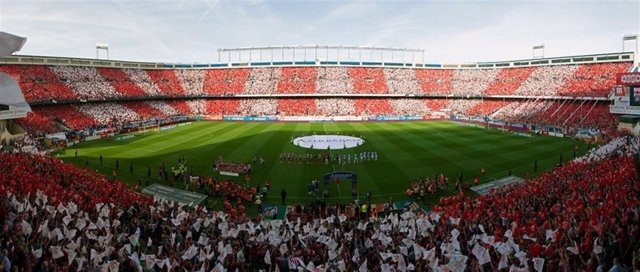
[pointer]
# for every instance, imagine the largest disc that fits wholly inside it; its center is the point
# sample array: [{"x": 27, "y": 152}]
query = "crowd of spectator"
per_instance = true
[
  {"x": 39, "y": 83},
  {"x": 368, "y": 80},
  {"x": 52, "y": 83},
  {"x": 225, "y": 81},
  {"x": 26, "y": 173},
  {"x": 222, "y": 107},
  {"x": 462, "y": 105},
  {"x": 335, "y": 107},
  {"x": 68, "y": 115},
  {"x": 297, "y": 80},
  {"x": 435, "y": 81},
  {"x": 565, "y": 114},
  {"x": 508, "y": 81},
  {"x": 163, "y": 107},
  {"x": 167, "y": 81},
  {"x": 126, "y": 81},
  {"x": 404, "y": 106},
  {"x": 144, "y": 110},
  {"x": 37, "y": 124},
  {"x": 109, "y": 113},
  {"x": 618, "y": 147},
  {"x": 580, "y": 216},
  {"x": 184, "y": 107},
  {"x": 191, "y": 80},
  {"x": 73, "y": 83},
  {"x": 194, "y": 106},
  {"x": 402, "y": 81},
  {"x": 515, "y": 111},
  {"x": 262, "y": 81},
  {"x": 472, "y": 82},
  {"x": 486, "y": 107},
  {"x": 141, "y": 79},
  {"x": 372, "y": 106},
  {"x": 436, "y": 104},
  {"x": 545, "y": 80},
  {"x": 258, "y": 107},
  {"x": 24, "y": 144},
  {"x": 593, "y": 79},
  {"x": 333, "y": 80},
  {"x": 86, "y": 82},
  {"x": 293, "y": 107}
]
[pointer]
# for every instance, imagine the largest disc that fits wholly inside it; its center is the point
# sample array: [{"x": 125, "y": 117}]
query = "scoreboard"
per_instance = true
[{"x": 627, "y": 94}]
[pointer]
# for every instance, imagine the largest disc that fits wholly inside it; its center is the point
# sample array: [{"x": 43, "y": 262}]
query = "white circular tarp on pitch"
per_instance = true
[{"x": 328, "y": 141}]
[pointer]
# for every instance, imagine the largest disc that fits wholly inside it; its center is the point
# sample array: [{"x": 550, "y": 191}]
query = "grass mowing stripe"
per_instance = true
[
  {"x": 173, "y": 139},
  {"x": 386, "y": 146},
  {"x": 406, "y": 150},
  {"x": 333, "y": 164}
]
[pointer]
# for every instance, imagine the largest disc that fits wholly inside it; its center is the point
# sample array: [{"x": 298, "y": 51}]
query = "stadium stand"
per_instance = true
[
  {"x": 58, "y": 217},
  {"x": 144, "y": 110},
  {"x": 485, "y": 108},
  {"x": 69, "y": 116},
  {"x": 582, "y": 216},
  {"x": 167, "y": 81},
  {"x": 545, "y": 80},
  {"x": 368, "y": 80},
  {"x": 293, "y": 107},
  {"x": 193, "y": 107},
  {"x": 184, "y": 107},
  {"x": 372, "y": 106},
  {"x": 68, "y": 83},
  {"x": 119, "y": 79},
  {"x": 192, "y": 81},
  {"x": 48, "y": 85},
  {"x": 37, "y": 124},
  {"x": 436, "y": 104},
  {"x": 508, "y": 81},
  {"x": 39, "y": 83},
  {"x": 592, "y": 79},
  {"x": 225, "y": 81},
  {"x": 163, "y": 108},
  {"x": 220, "y": 107},
  {"x": 408, "y": 107},
  {"x": 402, "y": 81},
  {"x": 142, "y": 79},
  {"x": 335, "y": 107},
  {"x": 297, "y": 81},
  {"x": 262, "y": 81},
  {"x": 435, "y": 81},
  {"x": 461, "y": 105},
  {"x": 334, "y": 80},
  {"x": 110, "y": 114},
  {"x": 86, "y": 82},
  {"x": 472, "y": 82},
  {"x": 258, "y": 107}
]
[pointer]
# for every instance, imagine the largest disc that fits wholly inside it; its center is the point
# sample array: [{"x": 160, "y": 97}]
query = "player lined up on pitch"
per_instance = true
[{"x": 326, "y": 158}]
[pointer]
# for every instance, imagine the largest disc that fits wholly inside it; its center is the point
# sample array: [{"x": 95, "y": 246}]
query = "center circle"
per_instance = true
[{"x": 333, "y": 142}]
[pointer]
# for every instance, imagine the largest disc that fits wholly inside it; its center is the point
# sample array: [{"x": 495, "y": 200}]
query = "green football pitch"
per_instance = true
[{"x": 405, "y": 150}]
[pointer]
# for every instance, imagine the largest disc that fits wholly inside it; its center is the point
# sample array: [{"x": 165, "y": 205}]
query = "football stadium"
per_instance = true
[{"x": 312, "y": 157}]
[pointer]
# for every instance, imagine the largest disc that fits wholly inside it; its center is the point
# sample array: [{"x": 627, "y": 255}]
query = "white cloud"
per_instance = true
[{"x": 191, "y": 31}]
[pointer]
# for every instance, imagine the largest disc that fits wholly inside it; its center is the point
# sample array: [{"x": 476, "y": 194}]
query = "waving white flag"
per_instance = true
[{"x": 267, "y": 258}]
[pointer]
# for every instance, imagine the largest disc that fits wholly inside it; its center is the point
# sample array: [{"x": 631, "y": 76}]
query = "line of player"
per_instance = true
[{"x": 326, "y": 158}]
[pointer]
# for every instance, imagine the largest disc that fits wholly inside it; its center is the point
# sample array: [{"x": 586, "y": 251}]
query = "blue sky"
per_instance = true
[{"x": 192, "y": 30}]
